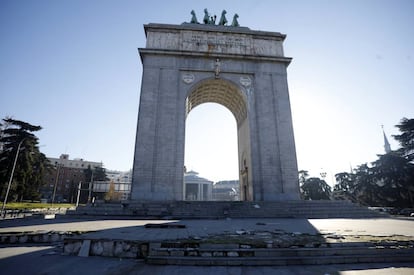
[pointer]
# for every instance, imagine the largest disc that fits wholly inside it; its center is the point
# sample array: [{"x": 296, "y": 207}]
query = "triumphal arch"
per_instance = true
[{"x": 244, "y": 70}]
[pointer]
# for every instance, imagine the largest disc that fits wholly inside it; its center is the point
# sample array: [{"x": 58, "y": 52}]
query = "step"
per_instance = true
[
  {"x": 213, "y": 209},
  {"x": 279, "y": 261},
  {"x": 290, "y": 256}
]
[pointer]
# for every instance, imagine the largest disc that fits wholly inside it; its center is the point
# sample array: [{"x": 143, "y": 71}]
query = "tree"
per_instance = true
[
  {"x": 406, "y": 138},
  {"x": 303, "y": 175},
  {"x": 345, "y": 182},
  {"x": 389, "y": 181},
  {"x": 31, "y": 163},
  {"x": 316, "y": 189},
  {"x": 112, "y": 195},
  {"x": 394, "y": 175},
  {"x": 344, "y": 187},
  {"x": 365, "y": 189},
  {"x": 97, "y": 174}
]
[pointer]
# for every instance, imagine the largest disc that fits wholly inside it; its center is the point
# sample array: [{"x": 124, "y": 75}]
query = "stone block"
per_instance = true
[
  {"x": 97, "y": 248},
  {"x": 119, "y": 249},
  {"x": 108, "y": 247},
  {"x": 218, "y": 261},
  {"x": 234, "y": 262},
  {"x": 55, "y": 237},
  {"x": 36, "y": 238},
  {"x": 177, "y": 253},
  {"x": 72, "y": 248},
  {"x": 219, "y": 246},
  {"x": 206, "y": 254},
  {"x": 68, "y": 248},
  {"x": 45, "y": 238},
  {"x": 218, "y": 254},
  {"x": 192, "y": 253},
  {"x": 84, "y": 250},
  {"x": 262, "y": 253},
  {"x": 13, "y": 239},
  {"x": 23, "y": 238},
  {"x": 159, "y": 261},
  {"x": 201, "y": 262},
  {"x": 4, "y": 239},
  {"x": 232, "y": 254}
]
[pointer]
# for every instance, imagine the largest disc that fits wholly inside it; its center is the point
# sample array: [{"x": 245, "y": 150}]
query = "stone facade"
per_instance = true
[{"x": 245, "y": 71}]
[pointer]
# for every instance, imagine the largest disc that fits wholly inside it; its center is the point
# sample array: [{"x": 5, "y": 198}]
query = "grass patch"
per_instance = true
[{"x": 34, "y": 205}]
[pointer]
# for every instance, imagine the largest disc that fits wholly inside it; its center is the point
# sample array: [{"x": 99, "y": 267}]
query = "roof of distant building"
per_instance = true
[
  {"x": 192, "y": 177},
  {"x": 78, "y": 163}
]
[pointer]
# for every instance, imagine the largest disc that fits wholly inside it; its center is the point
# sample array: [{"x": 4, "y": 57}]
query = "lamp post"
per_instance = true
[
  {"x": 90, "y": 189},
  {"x": 56, "y": 183},
  {"x": 11, "y": 178}
]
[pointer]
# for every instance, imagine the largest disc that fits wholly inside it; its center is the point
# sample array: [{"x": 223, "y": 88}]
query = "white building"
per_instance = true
[{"x": 197, "y": 188}]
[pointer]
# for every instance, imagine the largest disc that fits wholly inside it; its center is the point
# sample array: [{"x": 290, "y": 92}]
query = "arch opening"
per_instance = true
[
  {"x": 211, "y": 153},
  {"x": 228, "y": 95}
]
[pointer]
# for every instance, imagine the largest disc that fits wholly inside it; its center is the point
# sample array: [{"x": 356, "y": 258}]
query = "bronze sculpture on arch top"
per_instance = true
[{"x": 211, "y": 19}]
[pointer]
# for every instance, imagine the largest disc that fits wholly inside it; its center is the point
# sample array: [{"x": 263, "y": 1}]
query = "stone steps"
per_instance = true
[
  {"x": 280, "y": 261},
  {"x": 288, "y": 256},
  {"x": 235, "y": 254},
  {"x": 220, "y": 209}
]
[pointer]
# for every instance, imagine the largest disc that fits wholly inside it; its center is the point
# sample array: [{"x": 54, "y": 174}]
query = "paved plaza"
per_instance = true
[
  {"x": 135, "y": 230},
  {"x": 48, "y": 259}
]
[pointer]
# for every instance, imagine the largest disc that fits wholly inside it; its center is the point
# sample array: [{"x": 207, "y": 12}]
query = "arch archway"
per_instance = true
[
  {"x": 241, "y": 69},
  {"x": 229, "y": 95}
]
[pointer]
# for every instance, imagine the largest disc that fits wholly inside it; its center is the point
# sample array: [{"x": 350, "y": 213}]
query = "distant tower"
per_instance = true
[{"x": 387, "y": 146}]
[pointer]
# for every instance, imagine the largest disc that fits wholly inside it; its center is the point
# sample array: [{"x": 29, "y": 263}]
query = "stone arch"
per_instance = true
[{"x": 180, "y": 71}]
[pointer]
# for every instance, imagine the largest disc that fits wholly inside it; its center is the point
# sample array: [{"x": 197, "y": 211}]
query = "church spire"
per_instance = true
[{"x": 387, "y": 146}]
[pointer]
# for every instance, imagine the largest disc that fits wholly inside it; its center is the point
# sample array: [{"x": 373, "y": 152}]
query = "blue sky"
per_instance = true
[{"x": 73, "y": 68}]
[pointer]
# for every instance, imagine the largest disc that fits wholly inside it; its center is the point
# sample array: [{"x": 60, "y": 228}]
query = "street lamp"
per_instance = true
[
  {"x": 11, "y": 178},
  {"x": 90, "y": 189},
  {"x": 56, "y": 182}
]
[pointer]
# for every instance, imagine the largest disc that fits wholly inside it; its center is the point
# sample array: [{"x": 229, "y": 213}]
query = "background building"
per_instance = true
[
  {"x": 197, "y": 188},
  {"x": 64, "y": 179},
  {"x": 226, "y": 190}
]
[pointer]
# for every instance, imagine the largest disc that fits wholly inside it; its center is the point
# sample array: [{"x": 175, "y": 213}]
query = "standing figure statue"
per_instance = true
[
  {"x": 193, "y": 18},
  {"x": 235, "y": 23},
  {"x": 213, "y": 20},
  {"x": 223, "y": 20},
  {"x": 206, "y": 19}
]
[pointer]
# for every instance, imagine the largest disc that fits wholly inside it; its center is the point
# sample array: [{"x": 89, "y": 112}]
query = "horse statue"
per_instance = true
[
  {"x": 206, "y": 19},
  {"x": 194, "y": 18},
  {"x": 223, "y": 20},
  {"x": 235, "y": 23}
]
